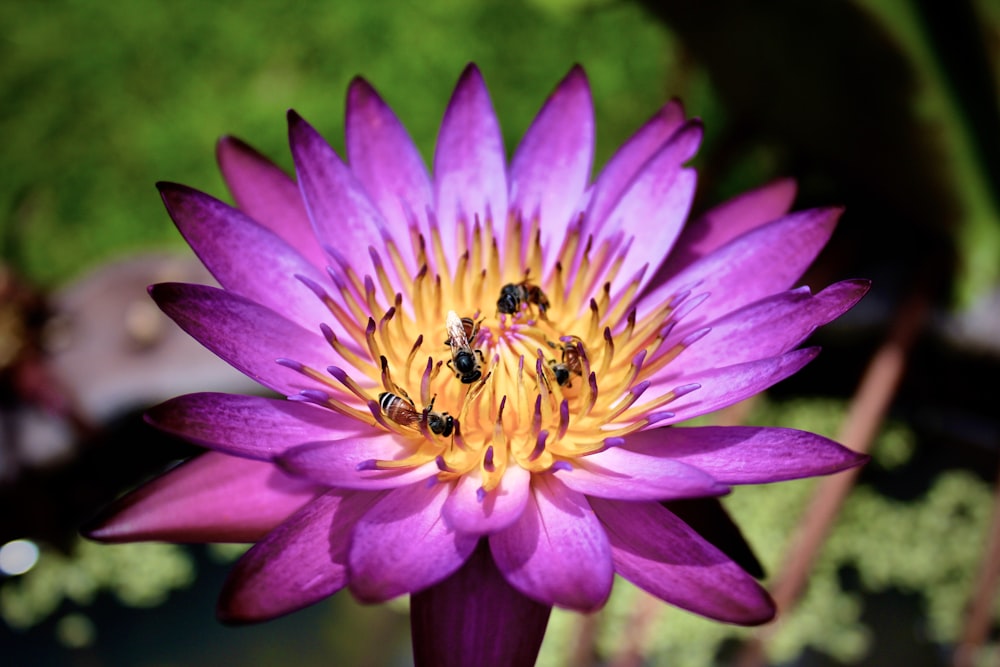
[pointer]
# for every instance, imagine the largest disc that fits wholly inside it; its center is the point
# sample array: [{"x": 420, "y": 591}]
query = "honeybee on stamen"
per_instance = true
[
  {"x": 466, "y": 362},
  {"x": 512, "y": 295},
  {"x": 571, "y": 362},
  {"x": 561, "y": 372},
  {"x": 402, "y": 411}
]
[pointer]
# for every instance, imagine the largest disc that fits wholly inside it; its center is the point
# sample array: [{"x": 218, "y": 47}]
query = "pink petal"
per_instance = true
[
  {"x": 656, "y": 205},
  {"x": 247, "y": 335},
  {"x": 249, "y": 426},
  {"x": 470, "y": 170},
  {"x": 343, "y": 463},
  {"x": 387, "y": 163},
  {"x": 474, "y": 617},
  {"x": 648, "y": 185},
  {"x": 211, "y": 498},
  {"x": 660, "y": 554},
  {"x": 246, "y": 258},
  {"x": 343, "y": 217},
  {"x": 623, "y": 166},
  {"x": 557, "y": 552},
  {"x": 764, "y": 261},
  {"x": 745, "y": 454},
  {"x": 721, "y": 387},
  {"x": 551, "y": 166},
  {"x": 708, "y": 518},
  {"x": 403, "y": 545},
  {"x": 302, "y": 561},
  {"x": 625, "y": 475},
  {"x": 728, "y": 220},
  {"x": 766, "y": 328},
  {"x": 496, "y": 511},
  {"x": 269, "y": 196}
]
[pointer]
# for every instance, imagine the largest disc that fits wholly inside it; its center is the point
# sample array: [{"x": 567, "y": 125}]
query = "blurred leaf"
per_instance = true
[{"x": 99, "y": 101}]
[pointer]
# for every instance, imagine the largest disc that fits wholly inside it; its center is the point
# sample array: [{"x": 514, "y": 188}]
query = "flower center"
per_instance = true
[{"x": 497, "y": 363}]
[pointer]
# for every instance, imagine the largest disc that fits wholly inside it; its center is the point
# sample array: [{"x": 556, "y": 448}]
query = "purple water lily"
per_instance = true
[{"x": 484, "y": 368}]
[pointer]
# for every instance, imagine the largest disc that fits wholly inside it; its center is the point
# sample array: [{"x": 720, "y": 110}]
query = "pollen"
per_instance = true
[{"x": 497, "y": 357}]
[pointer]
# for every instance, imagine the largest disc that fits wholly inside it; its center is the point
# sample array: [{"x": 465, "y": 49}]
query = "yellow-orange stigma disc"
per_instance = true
[{"x": 555, "y": 378}]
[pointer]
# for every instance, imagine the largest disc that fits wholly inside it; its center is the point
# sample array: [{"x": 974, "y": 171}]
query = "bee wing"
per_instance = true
[
  {"x": 399, "y": 409},
  {"x": 456, "y": 330},
  {"x": 408, "y": 417}
]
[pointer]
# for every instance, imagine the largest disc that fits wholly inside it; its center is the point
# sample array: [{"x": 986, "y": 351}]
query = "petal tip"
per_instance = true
[
  {"x": 228, "y": 147},
  {"x": 98, "y": 528},
  {"x": 860, "y": 285},
  {"x": 470, "y": 73},
  {"x": 295, "y": 121},
  {"x": 765, "y": 612},
  {"x": 227, "y": 143},
  {"x": 228, "y": 612},
  {"x": 852, "y": 460},
  {"x": 360, "y": 92},
  {"x": 577, "y": 77}
]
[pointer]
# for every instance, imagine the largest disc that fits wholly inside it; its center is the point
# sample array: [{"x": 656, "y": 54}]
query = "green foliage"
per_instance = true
[
  {"x": 139, "y": 575},
  {"x": 100, "y": 101}
]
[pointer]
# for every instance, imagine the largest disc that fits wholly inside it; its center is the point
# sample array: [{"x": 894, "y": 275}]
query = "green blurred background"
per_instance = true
[{"x": 887, "y": 106}]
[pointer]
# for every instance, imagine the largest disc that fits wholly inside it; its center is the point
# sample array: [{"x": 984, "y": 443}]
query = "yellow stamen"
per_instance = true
[{"x": 546, "y": 424}]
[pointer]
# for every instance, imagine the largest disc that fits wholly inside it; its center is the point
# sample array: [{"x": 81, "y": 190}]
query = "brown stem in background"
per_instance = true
[
  {"x": 867, "y": 411},
  {"x": 642, "y": 620},
  {"x": 979, "y": 614},
  {"x": 582, "y": 651}
]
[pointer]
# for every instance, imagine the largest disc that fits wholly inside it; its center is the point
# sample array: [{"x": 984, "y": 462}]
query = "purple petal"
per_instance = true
[
  {"x": 246, "y": 258},
  {"x": 728, "y": 220},
  {"x": 343, "y": 216},
  {"x": 662, "y": 555},
  {"x": 746, "y": 454},
  {"x": 551, "y": 166},
  {"x": 624, "y": 475},
  {"x": 403, "y": 544},
  {"x": 764, "y": 261},
  {"x": 386, "y": 162},
  {"x": 269, "y": 196},
  {"x": 557, "y": 552},
  {"x": 623, "y": 166},
  {"x": 708, "y": 518},
  {"x": 655, "y": 206},
  {"x": 247, "y": 335},
  {"x": 302, "y": 561},
  {"x": 211, "y": 498},
  {"x": 722, "y": 387},
  {"x": 249, "y": 426},
  {"x": 650, "y": 182},
  {"x": 652, "y": 210},
  {"x": 343, "y": 463},
  {"x": 474, "y": 617},
  {"x": 496, "y": 511},
  {"x": 470, "y": 170},
  {"x": 766, "y": 328}
]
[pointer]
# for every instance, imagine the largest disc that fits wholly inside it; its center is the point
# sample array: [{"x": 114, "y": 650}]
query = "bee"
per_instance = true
[
  {"x": 561, "y": 371},
  {"x": 465, "y": 361},
  {"x": 512, "y": 295},
  {"x": 571, "y": 361},
  {"x": 471, "y": 328},
  {"x": 402, "y": 411}
]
